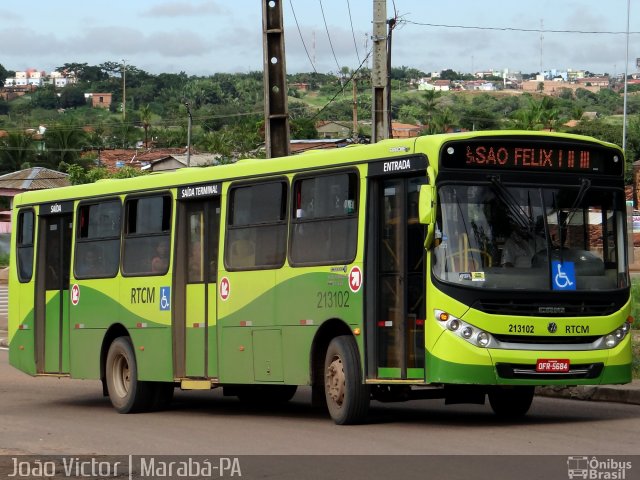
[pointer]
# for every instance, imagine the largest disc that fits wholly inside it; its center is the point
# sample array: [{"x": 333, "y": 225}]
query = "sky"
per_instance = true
[{"x": 203, "y": 37}]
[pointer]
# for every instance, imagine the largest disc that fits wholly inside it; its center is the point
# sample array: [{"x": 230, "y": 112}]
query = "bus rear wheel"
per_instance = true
[
  {"x": 511, "y": 402},
  {"x": 126, "y": 392},
  {"x": 346, "y": 394}
]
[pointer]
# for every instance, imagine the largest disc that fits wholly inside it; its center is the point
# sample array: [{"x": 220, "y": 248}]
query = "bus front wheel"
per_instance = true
[
  {"x": 126, "y": 392},
  {"x": 346, "y": 394},
  {"x": 511, "y": 402}
]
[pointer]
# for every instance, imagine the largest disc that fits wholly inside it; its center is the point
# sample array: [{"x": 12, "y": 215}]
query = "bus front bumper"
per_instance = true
[{"x": 453, "y": 360}]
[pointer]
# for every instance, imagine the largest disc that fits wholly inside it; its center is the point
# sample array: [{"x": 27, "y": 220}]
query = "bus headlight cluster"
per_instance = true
[
  {"x": 464, "y": 330},
  {"x": 614, "y": 338}
]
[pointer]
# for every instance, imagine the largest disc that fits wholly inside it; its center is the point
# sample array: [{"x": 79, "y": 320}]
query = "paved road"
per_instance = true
[{"x": 63, "y": 416}]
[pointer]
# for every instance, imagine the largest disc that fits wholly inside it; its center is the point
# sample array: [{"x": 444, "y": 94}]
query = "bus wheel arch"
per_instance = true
[
  {"x": 327, "y": 331},
  {"x": 116, "y": 330}
]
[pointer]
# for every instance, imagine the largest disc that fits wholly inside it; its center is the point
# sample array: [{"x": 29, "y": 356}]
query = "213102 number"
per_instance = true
[{"x": 333, "y": 299}]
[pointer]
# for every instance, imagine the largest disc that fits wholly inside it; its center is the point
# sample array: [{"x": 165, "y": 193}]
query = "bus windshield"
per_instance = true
[{"x": 500, "y": 236}]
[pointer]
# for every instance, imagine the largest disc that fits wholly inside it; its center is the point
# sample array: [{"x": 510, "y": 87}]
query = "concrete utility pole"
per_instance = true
[
  {"x": 379, "y": 73},
  {"x": 124, "y": 89},
  {"x": 276, "y": 112},
  {"x": 354, "y": 82},
  {"x": 188, "y": 134}
]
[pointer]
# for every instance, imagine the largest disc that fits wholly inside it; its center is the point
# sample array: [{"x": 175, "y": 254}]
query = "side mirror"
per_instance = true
[{"x": 426, "y": 208}]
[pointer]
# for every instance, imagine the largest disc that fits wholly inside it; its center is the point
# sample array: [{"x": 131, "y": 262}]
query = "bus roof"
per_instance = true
[{"x": 429, "y": 144}]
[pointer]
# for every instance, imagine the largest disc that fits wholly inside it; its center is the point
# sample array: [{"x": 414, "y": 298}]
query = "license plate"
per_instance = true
[{"x": 552, "y": 365}]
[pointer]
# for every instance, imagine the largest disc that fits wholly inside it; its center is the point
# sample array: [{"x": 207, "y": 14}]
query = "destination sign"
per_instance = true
[
  {"x": 56, "y": 208},
  {"x": 532, "y": 155},
  {"x": 395, "y": 166},
  {"x": 199, "y": 191}
]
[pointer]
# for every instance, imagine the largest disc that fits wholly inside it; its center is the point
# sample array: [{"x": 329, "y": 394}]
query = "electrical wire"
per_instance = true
[
  {"x": 355, "y": 44},
  {"x": 301, "y": 38},
  {"x": 329, "y": 37},
  {"x": 514, "y": 29},
  {"x": 353, "y": 74}
]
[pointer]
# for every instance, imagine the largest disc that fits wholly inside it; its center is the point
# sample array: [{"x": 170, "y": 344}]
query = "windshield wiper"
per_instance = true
[
  {"x": 517, "y": 213},
  {"x": 585, "y": 185}
]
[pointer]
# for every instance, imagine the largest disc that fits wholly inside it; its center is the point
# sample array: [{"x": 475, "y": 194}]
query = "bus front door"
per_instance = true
[
  {"x": 194, "y": 321},
  {"x": 52, "y": 291},
  {"x": 396, "y": 299}
]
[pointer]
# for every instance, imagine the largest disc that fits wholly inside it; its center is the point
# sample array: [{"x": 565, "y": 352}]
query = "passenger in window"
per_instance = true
[
  {"x": 520, "y": 248},
  {"x": 160, "y": 262}
]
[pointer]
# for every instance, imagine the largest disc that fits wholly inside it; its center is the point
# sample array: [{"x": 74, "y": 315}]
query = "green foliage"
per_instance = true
[
  {"x": 79, "y": 175},
  {"x": 45, "y": 97},
  {"x": 72, "y": 96}
]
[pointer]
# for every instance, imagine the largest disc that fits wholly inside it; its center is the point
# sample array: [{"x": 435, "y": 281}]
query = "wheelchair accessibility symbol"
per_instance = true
[
  {"x": 165, "y": 298},
  {"x": 564, "y": 275}
]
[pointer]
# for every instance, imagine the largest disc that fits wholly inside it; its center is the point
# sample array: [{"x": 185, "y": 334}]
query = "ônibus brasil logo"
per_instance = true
[{"x": 597, "y": 469}]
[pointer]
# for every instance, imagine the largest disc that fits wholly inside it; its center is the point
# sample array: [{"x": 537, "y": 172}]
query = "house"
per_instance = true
[
  {"x": 100, "y": 100},
  {"x": 36, "y": 178},
  {"x": 334, "y": 130},
  {"x": 173, "y": 162},
  {"x": 114, "y": 159},
  {"x": 404, "y": 130},
  {"x": 298, "y": 146}
]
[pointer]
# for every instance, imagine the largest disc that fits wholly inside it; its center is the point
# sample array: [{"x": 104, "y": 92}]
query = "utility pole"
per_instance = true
[
  {"x": 354, "y": 82},
  {"x": 379, "y": 74},
  {"x": 124, "y": 89},
  {"x": 188, "y": 134},
  {"x": 275, "y": 80}
]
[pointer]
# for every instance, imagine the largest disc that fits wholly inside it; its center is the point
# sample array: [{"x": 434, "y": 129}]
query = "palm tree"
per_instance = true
[
  {"x": 16, "y": 150},
  {"x": 145, "y": 119},
  {"x": 64, "y": 142}
]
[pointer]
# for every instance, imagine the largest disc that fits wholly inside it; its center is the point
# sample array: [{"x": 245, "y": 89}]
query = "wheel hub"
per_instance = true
[{"x": 335, "y": 381}]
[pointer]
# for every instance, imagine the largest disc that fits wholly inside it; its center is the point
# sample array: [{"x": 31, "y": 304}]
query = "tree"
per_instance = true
[
  {"x": 145, "y": 119},
  {"x": 45, "y": 97},
  {"x": 3, "y": 75},
  {"x": 72, "y": 96},
  {"x": 16, "y": 150},
  {"x": 64, "y": 142},
  {"x": 303, "y": 128}
]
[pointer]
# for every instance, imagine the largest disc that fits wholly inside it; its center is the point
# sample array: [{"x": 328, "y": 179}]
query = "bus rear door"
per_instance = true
[
  {"x": 395, "y": 308},
  {"x": 52, "y": 287},
  {"x": 194, "y": 321}
]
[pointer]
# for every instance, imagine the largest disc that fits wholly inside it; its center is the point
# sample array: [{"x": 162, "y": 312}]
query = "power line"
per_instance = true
[
  {"x": 301, "y": 38},
  {"x": 513, "y": 29},
  {"x": 353, "y": 74},
  {"x": 329, "y": 36},
  {"x": 352, "y": 32}
]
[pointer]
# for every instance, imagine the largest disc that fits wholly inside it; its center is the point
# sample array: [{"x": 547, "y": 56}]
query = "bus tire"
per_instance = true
[
  {"x": 346, "y": 394},
  {"x": 511, "y": 402},
  {"x": 126, "y": 392}
]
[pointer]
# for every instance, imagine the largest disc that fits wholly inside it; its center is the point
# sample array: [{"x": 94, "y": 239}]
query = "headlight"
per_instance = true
[
  {"x": 614, "y": 338},
  {"x": 483, "y": 339},
  {"x": 463, "y": 329}
]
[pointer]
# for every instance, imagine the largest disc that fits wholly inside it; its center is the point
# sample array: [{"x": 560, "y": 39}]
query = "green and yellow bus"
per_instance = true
[{"x": 457, "y": 266}]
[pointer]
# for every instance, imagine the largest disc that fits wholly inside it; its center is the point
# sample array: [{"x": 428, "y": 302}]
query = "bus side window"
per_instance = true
[
  {"x": 257, "y": 228},
  {"x": 25, "y": 245},
  {"x": 324, "y": 219},
  {"x": 147, "y": 235},
  {"x": 97, "y": 252}
]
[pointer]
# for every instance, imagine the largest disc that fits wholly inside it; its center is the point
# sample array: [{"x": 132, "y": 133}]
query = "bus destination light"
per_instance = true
[{"x": 532, "y": 156}]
